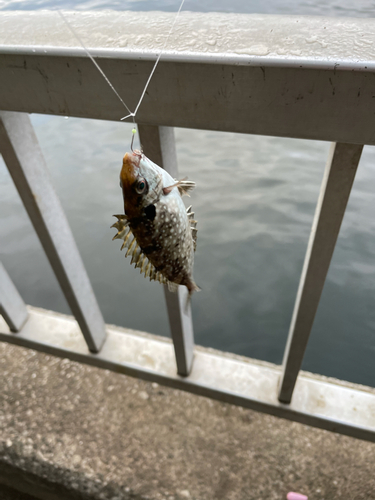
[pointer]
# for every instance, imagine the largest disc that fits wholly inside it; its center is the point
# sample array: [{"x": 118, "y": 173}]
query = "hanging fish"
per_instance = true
[{"x": 158, "y": 231}]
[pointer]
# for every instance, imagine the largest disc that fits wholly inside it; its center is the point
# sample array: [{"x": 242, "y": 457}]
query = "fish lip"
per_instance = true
[
  {"x": 129, "y": 174},
  {"x": 133, "y": 158},
  {"x": 130, "y": 168}
]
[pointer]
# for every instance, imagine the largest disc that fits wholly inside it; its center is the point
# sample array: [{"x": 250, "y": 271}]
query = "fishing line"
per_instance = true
[
  {"x": 156, "y": 63},
  {"x": 93, "y": 60},
  {"x": 131, "y": 114}
]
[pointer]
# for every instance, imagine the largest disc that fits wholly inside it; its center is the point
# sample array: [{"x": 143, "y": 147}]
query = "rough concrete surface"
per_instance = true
[{"x": 70, "y": 431}]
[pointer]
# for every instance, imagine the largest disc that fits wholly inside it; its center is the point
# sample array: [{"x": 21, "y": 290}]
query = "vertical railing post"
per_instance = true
[
  {"x": 12, "y": 307},
  {"x": 158, "y": 144},
  {"x": 24, "y": 159},
  {"x": 334, "y": 194}
]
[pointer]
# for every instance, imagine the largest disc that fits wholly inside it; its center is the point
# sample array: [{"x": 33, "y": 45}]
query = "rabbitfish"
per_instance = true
[{"x": 158, "y": 231}]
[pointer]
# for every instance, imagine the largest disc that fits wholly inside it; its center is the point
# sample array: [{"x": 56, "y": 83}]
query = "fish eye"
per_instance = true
[{"x": 141, "y": 186}]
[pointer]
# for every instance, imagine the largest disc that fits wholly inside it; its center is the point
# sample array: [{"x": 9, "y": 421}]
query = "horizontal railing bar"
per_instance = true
[
  {"x": 317, "y": 401},
  {"x": 256, "y": 100},
  {"x": 247, "y": 36},
  {"x": 367, "y": 66},
  {"x": 199, "y": 86}
]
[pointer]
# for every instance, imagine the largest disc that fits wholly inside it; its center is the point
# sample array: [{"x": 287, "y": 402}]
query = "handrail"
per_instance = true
[
  {"x": 234, "y": 83},
  {"x": 322, "y": 69}
]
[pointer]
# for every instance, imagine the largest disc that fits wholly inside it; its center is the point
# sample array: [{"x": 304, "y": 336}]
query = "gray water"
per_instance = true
[{"x": 254, "y": 202}]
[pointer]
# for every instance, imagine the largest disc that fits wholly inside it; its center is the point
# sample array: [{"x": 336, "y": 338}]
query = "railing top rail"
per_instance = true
[
  {"x": 255, "y": 39},
  {"x": 289, "y": 76}
]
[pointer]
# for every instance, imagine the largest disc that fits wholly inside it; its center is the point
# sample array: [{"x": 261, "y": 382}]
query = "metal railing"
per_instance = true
[{"x": 221, "y": 85}]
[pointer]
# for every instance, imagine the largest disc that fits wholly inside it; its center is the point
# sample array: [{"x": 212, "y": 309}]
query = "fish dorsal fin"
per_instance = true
[
  {"x": 193, "y": 224},
  {"x": 138, "y": 258}
]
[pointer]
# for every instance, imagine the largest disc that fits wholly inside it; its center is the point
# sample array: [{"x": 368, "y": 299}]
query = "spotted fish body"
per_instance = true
[{"x": 157, "y": 229}]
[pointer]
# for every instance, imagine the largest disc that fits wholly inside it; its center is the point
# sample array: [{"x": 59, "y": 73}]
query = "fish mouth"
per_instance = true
[
  {"x": 132, "y": 159},
  {"x": 129, "y": 176},
  {"x": 130, "y": 167}
]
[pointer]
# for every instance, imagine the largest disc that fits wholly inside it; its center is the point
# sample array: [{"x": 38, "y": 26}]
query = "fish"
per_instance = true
[{"x": 157, "y": 229}]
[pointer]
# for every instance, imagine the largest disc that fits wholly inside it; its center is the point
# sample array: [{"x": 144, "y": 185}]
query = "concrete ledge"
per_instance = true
[
  {"x": 73, "y": 431},
  {"x": 319, "y": 401}
]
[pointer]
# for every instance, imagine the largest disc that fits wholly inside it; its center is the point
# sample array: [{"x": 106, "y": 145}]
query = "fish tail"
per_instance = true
[{"x": 192, "y": 287}]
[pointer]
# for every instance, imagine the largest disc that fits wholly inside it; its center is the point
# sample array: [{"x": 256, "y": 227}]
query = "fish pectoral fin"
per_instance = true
[
  {"x": 184, "y": 186},
  {"x": 168, "y": 189}
]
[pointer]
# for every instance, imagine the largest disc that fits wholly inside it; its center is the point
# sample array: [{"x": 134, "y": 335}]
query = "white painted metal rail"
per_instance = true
[{"x": 294, "y": 77}]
